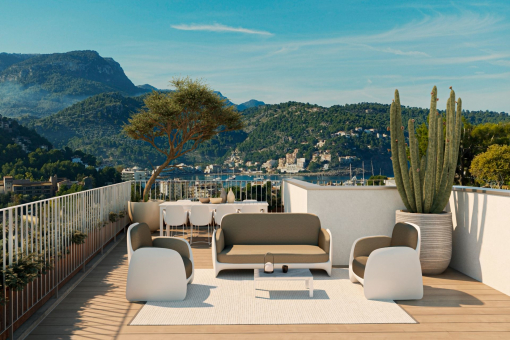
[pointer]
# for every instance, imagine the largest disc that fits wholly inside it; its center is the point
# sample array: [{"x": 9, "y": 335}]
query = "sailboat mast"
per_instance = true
[{"x": 363, "y": 165}]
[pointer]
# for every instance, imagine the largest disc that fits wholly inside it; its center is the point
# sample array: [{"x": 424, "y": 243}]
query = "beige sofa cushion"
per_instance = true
[
  {"x": 179, "y": 245},
  {"x": 188, "y": 266},
  {"x": 271, "y": 229},
  {"x": 220, "y": 241},
  {"x": 358, "y": 265},
  {"x": 140, "y": 236},
  {"x": 404, "y": 235},
  {"x": 324, "y": 240},
  {"x": 282, "y": 254}
]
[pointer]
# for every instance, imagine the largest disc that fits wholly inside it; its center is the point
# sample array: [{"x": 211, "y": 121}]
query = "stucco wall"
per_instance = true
[
  {"x": 294, "y": 197},
  {"x": 481, "y": 237}
]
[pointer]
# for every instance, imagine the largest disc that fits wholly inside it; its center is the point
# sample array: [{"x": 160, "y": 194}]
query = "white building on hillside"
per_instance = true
[{"x": 135, "y": 174}]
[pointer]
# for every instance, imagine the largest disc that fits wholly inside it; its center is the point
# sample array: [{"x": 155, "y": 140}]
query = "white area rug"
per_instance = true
[{"x": 230, "y": 299}]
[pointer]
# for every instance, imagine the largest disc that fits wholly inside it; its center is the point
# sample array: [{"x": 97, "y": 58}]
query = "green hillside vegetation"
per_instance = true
[
  {"x": 275, "y": 130},
  {"x": 42, "y": 84},
  {"x": 94, "y": 125},
  {"x": 44, "y": 161}
]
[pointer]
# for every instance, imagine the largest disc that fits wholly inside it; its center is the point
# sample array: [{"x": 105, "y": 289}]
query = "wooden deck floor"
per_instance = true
[{"x": 454, "y": 307}]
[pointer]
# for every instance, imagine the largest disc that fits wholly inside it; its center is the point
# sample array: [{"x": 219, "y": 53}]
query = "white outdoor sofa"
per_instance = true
[
  {"x": 296, "y": 240},
  {"x": 389, "y": 267},
  {"x": 160, "y": 268}
]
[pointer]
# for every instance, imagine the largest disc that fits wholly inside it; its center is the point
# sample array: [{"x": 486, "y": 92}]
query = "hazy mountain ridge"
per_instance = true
[
  {"x": 249, "y": 104},
  {"x": 43, "y": 84}
]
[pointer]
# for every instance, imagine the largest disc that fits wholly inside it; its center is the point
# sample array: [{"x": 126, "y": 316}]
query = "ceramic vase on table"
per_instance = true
[
  {"x": 223, "y": 196},
  {"x": 231, "y": 198}
]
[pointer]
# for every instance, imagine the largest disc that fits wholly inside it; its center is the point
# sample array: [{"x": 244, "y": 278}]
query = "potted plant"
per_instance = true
[
  {"x": 426, "y": 183},
  {"x": 174, "y": 124}
]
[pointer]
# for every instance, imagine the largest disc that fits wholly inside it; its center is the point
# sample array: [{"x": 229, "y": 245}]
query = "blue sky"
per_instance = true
[{"x": 323, "y": 52}]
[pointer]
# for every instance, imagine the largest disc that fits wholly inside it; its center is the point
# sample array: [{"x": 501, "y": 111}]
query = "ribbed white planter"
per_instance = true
[
  {"x": 146, "y": 212},
  {"x": 436, "y": 239}
]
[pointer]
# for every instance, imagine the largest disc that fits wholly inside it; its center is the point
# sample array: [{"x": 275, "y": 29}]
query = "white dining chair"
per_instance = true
[
  {"x": 223, "y": 210},
  {"x": 252, "y": 208},
  {"x": 175, "y": 216},
  {"x": 199, "y": 216}
]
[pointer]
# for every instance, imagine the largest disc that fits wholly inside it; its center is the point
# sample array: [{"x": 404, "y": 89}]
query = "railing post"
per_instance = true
[
  {"x": 83, "y": 227},
  {"x": 55, "y": 245},
  {"x": 101, "y": 233}
]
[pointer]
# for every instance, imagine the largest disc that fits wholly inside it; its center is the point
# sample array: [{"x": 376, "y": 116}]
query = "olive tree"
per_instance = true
[{"x": 175, "y": 123}]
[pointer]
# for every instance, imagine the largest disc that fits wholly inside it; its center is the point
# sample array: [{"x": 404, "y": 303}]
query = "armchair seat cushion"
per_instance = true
[
  {"x": 282, "y": 254},
  {"x": 188, "y": 266},
  {"x": 358, "y": 265}
]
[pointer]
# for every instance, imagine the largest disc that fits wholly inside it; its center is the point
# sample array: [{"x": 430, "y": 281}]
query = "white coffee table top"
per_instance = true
[{"x": 292, "y": 274}]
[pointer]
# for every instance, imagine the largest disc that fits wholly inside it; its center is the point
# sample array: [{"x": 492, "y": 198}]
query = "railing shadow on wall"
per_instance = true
[
  {"x": 481, "y": 235},
  {"x": 469, "y": 230},
  {"x": 45, "y": 243}
]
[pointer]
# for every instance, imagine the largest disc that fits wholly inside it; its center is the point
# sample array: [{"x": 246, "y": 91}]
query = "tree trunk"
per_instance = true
[{"x": 152, "y": 180}]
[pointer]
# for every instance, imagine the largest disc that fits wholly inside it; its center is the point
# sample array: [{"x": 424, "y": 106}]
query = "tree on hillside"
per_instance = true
[
  {"x": 492, "y": 165},
  {"x": 175, "y": 123},
  {"x": 474, "y": 141}
]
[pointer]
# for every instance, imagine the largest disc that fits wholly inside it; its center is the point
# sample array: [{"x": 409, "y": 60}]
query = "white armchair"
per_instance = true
[
  {"x": 389, "y": 267},
  {"x": 159, "y": 269}
]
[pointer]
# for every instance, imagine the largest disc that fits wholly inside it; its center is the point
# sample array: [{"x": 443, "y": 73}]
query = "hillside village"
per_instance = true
[{"x": 293, "y": 162}]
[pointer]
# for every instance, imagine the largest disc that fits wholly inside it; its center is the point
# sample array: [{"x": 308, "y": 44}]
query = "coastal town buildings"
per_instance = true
[
  {"x": 135, "y": 174},
  {"x": 39, "y": 188}
]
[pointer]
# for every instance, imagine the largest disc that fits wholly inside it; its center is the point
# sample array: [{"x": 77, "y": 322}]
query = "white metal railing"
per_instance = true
[
  {"x": 42, "y": 232},
  {"x": 173, "y": 190}
]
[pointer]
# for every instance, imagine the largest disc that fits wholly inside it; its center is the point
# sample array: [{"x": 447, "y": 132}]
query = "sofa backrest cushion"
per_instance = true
[
  {"x": 271, "y": 229},
  {"x": 404, "y": 235},
  {"x": 140, "y": 236}
]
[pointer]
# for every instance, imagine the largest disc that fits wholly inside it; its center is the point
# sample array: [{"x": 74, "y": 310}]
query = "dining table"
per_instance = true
[{"x": 186, "y": 205}]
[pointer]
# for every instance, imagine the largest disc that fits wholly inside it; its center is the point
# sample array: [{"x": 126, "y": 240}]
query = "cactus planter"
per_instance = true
[
  {"x": 436, "y": 239},
  {"x": 425, "y": 183}
]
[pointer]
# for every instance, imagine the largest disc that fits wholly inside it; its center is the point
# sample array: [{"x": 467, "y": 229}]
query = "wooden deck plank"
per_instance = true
[{"x": 454, "y": 307}]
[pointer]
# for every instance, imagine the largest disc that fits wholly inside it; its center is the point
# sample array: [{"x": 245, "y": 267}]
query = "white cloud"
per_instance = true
[
  {"x": 399, "y": 52},
  {"x": 467, "y": 24},
  {"x": 219, "y": 28}
]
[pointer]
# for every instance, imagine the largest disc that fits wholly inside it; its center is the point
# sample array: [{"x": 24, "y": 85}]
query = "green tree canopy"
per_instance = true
[
  {"x": 492, "y": 165},
  {"x": 175, "y": 123}
]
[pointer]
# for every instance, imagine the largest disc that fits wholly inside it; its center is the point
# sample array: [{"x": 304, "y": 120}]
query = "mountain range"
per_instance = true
[
  {"x": 81, "y": 100},
  {"x": 42, "y": 84}
]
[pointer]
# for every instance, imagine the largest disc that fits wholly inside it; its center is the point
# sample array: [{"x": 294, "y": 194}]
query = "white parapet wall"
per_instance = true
[
  {"x": 349, "y": 212},
  {"x": 481, "y": 220},
  {"x": 481, "y": 237}
]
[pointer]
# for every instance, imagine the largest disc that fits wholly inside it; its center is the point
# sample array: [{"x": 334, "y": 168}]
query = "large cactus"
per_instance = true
[{"x": 426, "y": 184}]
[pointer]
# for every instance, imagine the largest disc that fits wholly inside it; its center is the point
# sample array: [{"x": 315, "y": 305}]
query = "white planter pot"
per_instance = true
[
  {"x": 436, "y": 239},
  {"x": 145, "y": 212}
]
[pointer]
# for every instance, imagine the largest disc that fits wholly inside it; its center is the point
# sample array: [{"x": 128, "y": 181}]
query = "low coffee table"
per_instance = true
[{"x": 291, "y": 275}]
